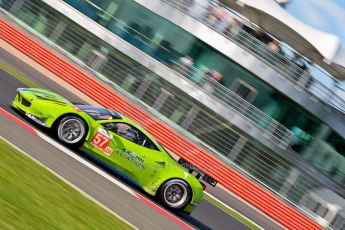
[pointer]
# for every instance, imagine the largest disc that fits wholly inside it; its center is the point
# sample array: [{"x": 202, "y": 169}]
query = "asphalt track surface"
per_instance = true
[{"x": 141, "y": 215}]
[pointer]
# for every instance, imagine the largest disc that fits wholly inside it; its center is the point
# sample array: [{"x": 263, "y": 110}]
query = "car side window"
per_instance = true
[
  {"x": 130, "y": 133},
  {"x": 149, "y": 144}
]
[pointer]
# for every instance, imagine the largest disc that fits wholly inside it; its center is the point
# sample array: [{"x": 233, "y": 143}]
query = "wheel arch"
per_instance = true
[
  {"x": 176, "y": 178},
  {"x": 59, "y": 118}
]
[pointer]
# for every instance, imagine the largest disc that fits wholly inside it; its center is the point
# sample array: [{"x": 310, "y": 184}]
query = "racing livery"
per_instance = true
[{"x": 116, "y": 142}]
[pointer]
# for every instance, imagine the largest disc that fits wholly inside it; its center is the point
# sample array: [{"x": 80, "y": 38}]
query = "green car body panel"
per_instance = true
[{"x": 147, "y": 167}]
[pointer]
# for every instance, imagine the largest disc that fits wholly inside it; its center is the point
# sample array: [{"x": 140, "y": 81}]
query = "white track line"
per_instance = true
[
  {"x": 93, "y": 167},
  {"x": 112, "y": 179},
  {"x": 106, "y": 175},
  {"x": 85, "y": 162},
  {"x": 69, "y": 183}
]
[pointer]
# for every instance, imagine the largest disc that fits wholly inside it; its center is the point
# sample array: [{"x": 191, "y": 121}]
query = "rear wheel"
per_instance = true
[
  {"x": 175, "y": 194},
  {"x": 71, "y": 131}
]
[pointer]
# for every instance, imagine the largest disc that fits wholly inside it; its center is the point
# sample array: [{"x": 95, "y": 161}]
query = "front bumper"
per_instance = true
[{"x": 24, "y": 106}]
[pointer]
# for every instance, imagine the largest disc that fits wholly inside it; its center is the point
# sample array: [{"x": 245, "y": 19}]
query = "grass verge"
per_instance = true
[
  {"x": 250, "y": 224},
  {"x": 33, "y": 198},
  {"x": 210, "y": 199}
]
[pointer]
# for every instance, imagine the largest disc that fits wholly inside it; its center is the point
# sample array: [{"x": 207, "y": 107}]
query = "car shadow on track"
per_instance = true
[{"x": 184, "y": 216}]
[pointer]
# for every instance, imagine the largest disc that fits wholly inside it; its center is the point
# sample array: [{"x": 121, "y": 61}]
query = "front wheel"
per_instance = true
[
  {"x": 175, "y": 194},
  {"x": 71, "y": 131}
]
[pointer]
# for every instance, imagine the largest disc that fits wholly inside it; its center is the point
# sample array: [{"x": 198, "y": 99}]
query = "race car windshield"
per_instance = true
[{"x": 99, "y": 113}]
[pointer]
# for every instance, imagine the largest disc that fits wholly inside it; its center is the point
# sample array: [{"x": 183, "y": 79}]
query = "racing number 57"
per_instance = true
[{"x": 100, "y": 141}]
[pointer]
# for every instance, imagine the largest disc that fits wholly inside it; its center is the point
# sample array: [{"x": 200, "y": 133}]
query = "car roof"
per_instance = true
[
  {"x": 136, "y": 125},
  {"x": 103, "y": 114},
  {"x": 100, "y": 113}
]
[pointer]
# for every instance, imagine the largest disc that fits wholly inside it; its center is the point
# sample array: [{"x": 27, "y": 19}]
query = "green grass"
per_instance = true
[
  {"x": 250, "y": 224},
  {"x": 28, "y": 82},
  {"x": 33, "y": 198}
]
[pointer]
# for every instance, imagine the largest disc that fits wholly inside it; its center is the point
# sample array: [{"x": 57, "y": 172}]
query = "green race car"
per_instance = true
[{"x": 115, "y": 141}]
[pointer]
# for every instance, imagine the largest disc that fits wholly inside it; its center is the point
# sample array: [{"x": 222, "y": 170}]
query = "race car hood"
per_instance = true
[{"x": 36, "y": 93}]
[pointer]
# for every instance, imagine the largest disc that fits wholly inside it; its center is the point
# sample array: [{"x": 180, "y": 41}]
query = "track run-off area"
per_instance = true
[
  {"x": 106, "y": 94},
  {"x": 102, "y": 186}
]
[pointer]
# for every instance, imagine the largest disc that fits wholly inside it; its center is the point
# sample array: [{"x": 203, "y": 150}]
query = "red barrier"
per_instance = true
[{"x": 226, "y": 176}]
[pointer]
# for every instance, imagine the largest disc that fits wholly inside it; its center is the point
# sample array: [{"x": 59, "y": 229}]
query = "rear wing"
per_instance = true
[{"x": 197, "y": 172}]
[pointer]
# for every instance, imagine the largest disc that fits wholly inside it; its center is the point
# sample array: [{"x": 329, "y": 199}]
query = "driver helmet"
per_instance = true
[{"x": 132, "y": 134}]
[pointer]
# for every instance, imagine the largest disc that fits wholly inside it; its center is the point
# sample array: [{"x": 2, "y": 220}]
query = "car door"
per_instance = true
[{"x": 135, "y": 153}]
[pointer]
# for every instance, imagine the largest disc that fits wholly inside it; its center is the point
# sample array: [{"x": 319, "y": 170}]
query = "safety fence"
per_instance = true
[
  {"x": 231, "y": 179},
  {"x": 166, "y": 101},
  {"x": 282, "y": 135},
  {"x": 233, "y": 27},
  {"x": 247, "y": 156}
]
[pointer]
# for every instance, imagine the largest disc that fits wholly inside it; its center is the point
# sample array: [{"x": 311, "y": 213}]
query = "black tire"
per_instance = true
[
  {"x": 175, "y": 194},
  {"x": 71, "y": 131}
]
